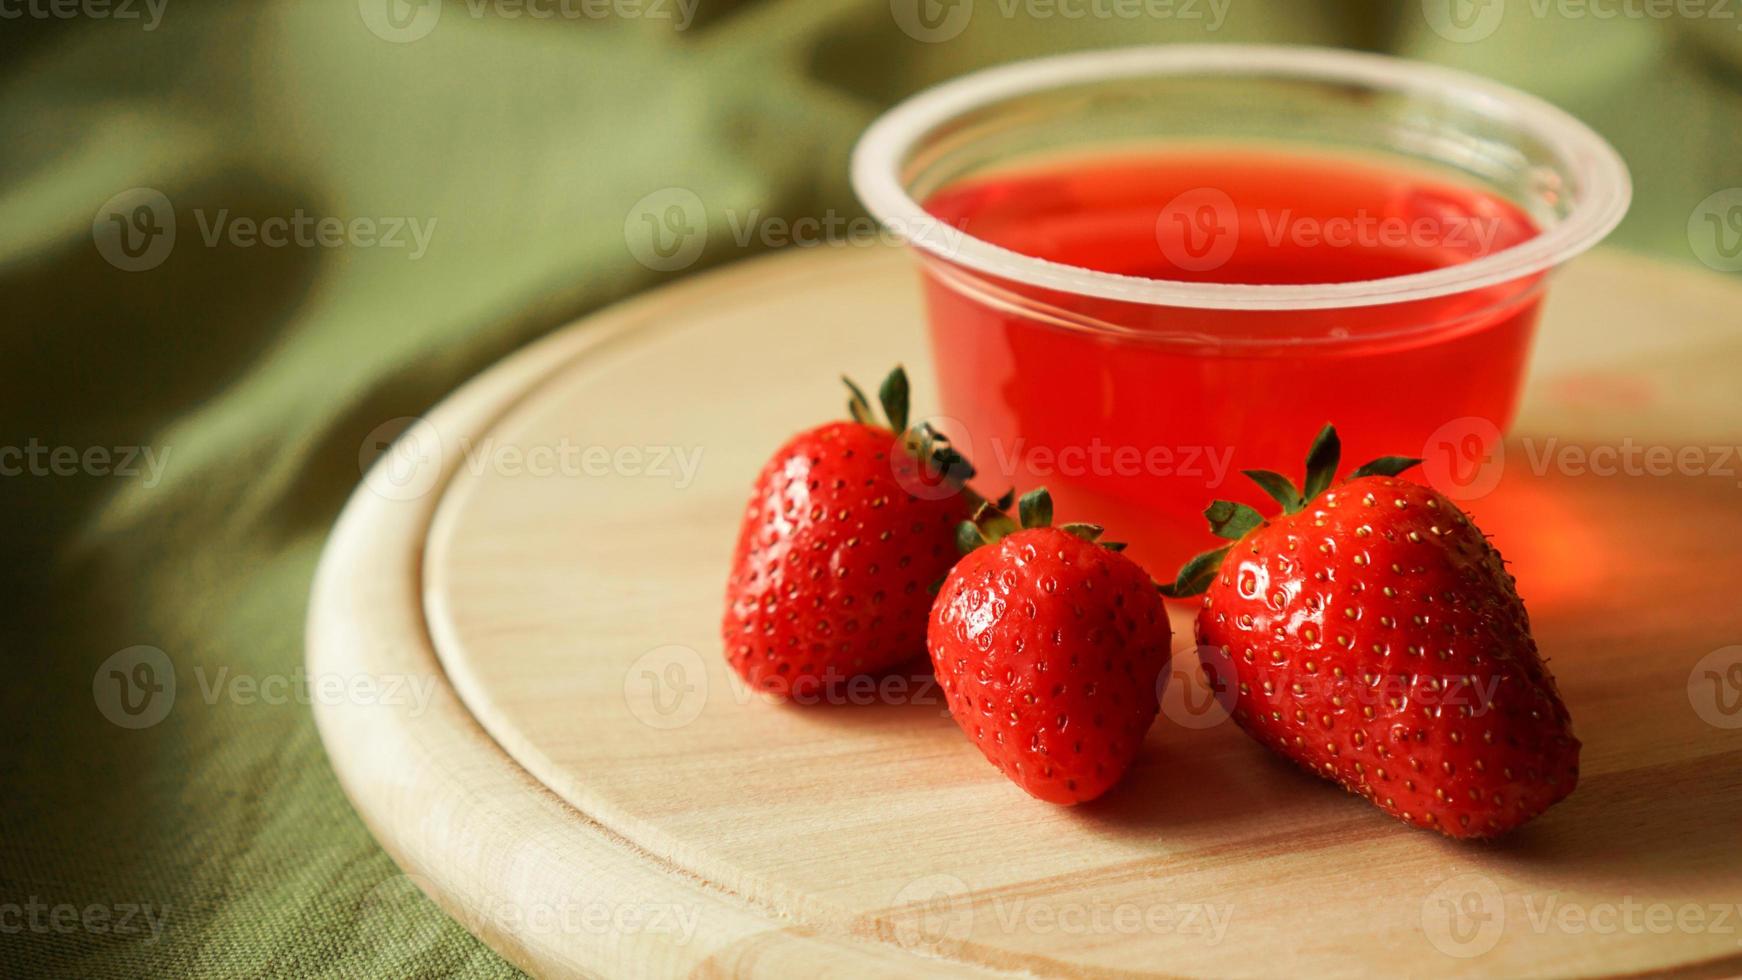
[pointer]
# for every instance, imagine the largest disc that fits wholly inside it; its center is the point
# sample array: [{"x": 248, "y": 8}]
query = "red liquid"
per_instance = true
[{"x": 1140, "y": 430}]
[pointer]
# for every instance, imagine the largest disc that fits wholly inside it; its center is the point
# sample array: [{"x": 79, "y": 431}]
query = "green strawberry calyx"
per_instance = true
[
  {"x": 922, "y": 441},
  {"x": 1233, "y": 521},
  {"x": 992, "y": 522}
]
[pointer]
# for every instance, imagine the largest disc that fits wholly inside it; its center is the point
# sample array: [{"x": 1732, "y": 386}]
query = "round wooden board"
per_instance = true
[{"x": 589, "y": 789}]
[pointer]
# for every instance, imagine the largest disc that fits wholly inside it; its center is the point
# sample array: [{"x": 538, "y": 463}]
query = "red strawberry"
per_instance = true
[
  {"x": 1376, "y": 638},
  {"x": 846, "y": 533},
  {"x": 1048, "y": 647}
]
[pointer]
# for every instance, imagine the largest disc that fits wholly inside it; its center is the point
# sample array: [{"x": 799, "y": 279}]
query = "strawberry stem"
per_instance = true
[
  {"x": 1385, "y": 466},
  {"x": 1234, "y": 521},
  {"x": 1280, "y": 488},
  {"x": 990, "y": 524},
  {"x": 893, "y": 395},
  {"x": 1321, "y": 464},
  {"x": 1231, "y": 520},
  {"x": 922, "y": 441},
  {"x": 1035, "y": 508},
  {"x": 857, "y": 406},
  {"x": 1196, "y": 575}
]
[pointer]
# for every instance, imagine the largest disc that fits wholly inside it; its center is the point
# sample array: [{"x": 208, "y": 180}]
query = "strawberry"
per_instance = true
[
  {"x": 1048, "y": 647},
  {"x": 1376, "y": 638},
  {"x": 848, "y": 528}
]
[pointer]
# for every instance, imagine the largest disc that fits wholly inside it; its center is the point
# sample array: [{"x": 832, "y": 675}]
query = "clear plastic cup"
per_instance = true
[{"x": 1135, "y": 372}]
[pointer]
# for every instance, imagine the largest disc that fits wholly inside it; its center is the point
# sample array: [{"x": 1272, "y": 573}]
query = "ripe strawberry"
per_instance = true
[
  {"x": 847, "y": 530},
  {"x": 1048, "y": 647},
  {"x": 1376, "y": 638}
]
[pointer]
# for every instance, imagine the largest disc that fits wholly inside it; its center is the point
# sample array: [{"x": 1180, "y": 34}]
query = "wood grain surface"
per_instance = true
[{"x": 591, "y": 792}]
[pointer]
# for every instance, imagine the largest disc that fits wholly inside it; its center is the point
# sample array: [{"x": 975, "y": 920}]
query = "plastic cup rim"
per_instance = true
[{"x": 1597, "y": 170}]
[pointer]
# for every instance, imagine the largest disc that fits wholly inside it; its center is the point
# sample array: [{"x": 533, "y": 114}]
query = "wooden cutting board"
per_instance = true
[{"x": 583, "y": 784}]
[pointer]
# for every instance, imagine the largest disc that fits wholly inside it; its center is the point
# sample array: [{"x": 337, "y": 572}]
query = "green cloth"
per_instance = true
[{"x": 256, "y": 373}]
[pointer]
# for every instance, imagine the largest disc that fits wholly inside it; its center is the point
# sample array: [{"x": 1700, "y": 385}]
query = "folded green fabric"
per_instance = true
[{"x": 448, "y": 183}]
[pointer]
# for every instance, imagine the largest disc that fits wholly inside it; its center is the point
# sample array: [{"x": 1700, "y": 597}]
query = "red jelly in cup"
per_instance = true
[{"x": 1149, "y": 269}]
